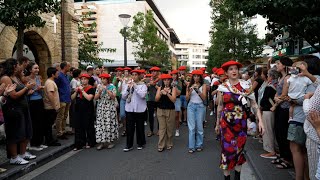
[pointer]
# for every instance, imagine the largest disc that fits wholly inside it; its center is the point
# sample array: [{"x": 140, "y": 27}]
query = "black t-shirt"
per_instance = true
[
  {"x": 165, "y": 102},
  {"x": 83, "y": 105},
  {"x": 260, "y": 82},
  {"x": 184, "y": 88}
]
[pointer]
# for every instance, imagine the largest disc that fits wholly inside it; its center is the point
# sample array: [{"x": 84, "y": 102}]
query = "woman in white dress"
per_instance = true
[{"x": 106, "y": 123}]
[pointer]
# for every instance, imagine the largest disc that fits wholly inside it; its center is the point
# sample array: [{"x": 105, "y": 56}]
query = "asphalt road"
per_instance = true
[{"x": 143, "y": 164}]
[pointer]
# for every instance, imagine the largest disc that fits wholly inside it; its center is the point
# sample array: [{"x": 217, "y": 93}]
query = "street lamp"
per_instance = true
[{"x": 125, "y": 18}]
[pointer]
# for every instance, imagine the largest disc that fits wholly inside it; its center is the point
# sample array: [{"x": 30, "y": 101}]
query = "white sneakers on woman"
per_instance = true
[{"x": 22, "y": 159}]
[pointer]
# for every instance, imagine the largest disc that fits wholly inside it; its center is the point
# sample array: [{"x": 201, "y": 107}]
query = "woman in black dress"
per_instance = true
[
  {"x": 16, "y": 114},
  {"x": 84, "y": 114}
]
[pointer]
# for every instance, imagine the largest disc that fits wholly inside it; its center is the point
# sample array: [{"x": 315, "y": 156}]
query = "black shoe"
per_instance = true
[
  {"x": 227, "y": 177},
  {"x": 236, "y": 175},
  {"x": 126, "y": 149}
]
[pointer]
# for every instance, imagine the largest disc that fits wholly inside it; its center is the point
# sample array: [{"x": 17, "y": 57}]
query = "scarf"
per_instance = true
[
  {"x": 86, "y": 89},
  {"x": 131, "y": 90}
]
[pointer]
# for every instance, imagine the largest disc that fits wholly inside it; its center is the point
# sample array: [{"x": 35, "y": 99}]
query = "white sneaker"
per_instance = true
[
  {"x": 145, "y": 123},
  {"x": 28, "y": 156},
  {"x": 177, "y": 133},
  {"x": 18, "y": 161},
  {"x": 43, "y": 146},
  {"x": 33, "y": 148},
  {"x": 211, "y": 113}
]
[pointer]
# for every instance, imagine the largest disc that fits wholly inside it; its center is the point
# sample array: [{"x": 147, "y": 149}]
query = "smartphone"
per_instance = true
[{"x": 293, "y": 70}]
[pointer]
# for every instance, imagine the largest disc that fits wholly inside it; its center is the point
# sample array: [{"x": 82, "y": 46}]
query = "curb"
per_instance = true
[
  {"x": 254, "y": 168},
  {"x": 18, "y": 171}
]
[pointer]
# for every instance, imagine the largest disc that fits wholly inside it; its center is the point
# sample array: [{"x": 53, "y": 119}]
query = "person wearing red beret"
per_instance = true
[
  {"x": 166, "y": 97},
  {"x": 233, "y": 110},
  {"x": 134, "y": 94},
  {"x": 178, "y": 84},
  {"x": 84, "y": 118},
  {"x": 184, "y": 83},
  {"x": 196, "y": 95},
  {"x": 106, "y": 126}
]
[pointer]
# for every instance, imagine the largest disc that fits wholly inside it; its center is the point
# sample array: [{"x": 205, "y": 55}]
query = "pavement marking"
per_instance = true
[{"x": 48, "y": 166}]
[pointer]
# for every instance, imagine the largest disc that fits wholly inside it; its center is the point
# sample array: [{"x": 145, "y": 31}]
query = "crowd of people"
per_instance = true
[{"x": 278, "y": 105}]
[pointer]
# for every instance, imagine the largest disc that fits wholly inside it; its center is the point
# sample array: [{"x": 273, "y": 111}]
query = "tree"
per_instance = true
[
  {"x": 149, "y": 49},
  {"x": 301, "y": 18},
  {"x": 22, "y": 15},
  {"x": 232, "y": 36},
  {"x": 88, "y": 49}
]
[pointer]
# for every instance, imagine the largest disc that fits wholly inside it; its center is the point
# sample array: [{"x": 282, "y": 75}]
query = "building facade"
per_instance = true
[
  {"x": 45, "y": 45},
  {"x": 106, "y": 14},
  {"x": 193, "y": 55}
]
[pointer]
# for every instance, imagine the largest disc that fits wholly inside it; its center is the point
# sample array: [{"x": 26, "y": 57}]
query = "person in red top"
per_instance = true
[{"x": 232, "y": 118}]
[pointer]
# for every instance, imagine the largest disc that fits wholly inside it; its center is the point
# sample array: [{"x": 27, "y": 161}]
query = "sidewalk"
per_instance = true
[
  {"x": 44, "y": 156},
  {"x": 262, "y": 167}
]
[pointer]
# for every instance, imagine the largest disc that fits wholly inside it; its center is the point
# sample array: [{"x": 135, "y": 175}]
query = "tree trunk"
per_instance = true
[{"x": 19, "y": 43}]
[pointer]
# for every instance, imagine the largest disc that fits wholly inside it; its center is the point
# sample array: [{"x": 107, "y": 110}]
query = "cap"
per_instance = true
[
  {"x": 165, "y": 76},
  {"x": 104, "y": 75},
  {"x": 89, "y": 67},
  {"x": 230, "y": 63},
  {"x": 155, "y": 68},
  {"x": 197, "y": 72},
  {"x": 182, "y": 68},
  {"x": 85, "y": 75},
  {"x": 174, "y": 72},
  {"x": 119, "y": 69}
]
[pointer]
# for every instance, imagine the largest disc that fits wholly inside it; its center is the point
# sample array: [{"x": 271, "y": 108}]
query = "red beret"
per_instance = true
[
  {"x": 197, "y": 72},
  {"x": 136, "y": 71},
  {"x": 220, "y": 72},
  {"x": 155, "y": 68},
  {"x": 230, "y": 63},
  {"x": 203, "y": 69},
  {"x": 174, "y": 72},
  {"x": 214, "y": 69},
  {"x": 182, "y": 68},
  {"x": 85, "y": 75},
  {"x": 104, "y": 75},
  {"x": 148, "y": 75},
  {"x": 127, "y": 69},
  {"x": 119, "y": 69},
  {"x": 165, "y": 76},
  {"x": 142, "y": 71}
]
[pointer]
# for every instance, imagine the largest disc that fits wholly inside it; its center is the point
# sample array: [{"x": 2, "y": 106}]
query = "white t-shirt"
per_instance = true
[{"x": 297, "y": 86}]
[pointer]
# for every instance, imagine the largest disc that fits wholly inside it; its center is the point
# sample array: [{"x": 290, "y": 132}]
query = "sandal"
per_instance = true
[
  {"x": 160, "y": 149},
  {"x": 276, "y": 161},
  {"x": 284, "y": 165},
  {"x": 124, "y": 133}
]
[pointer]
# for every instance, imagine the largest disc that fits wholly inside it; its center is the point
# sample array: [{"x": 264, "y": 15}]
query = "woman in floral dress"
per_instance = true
[
  {"x": 106, "y": 124},
  {"x": 232, "y": 115}
]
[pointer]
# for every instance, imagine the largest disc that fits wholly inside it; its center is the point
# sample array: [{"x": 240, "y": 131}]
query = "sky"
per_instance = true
[{"x": 191, "y": 19}]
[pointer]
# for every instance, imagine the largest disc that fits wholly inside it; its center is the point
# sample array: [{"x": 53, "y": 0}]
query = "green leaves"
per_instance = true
[
  {"x": 232, "y": 36},
  {"x": 149, "y": 49},
  {"x": 301, "y": 18}
]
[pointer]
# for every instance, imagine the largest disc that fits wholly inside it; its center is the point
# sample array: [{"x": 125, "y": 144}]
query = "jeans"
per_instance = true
[
  {"x": 122, "y": 109},
  {"x": 195, "y": 118}
]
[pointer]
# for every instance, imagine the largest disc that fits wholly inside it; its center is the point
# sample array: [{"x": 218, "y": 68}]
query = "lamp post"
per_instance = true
[{"x": 125, "y": 18}]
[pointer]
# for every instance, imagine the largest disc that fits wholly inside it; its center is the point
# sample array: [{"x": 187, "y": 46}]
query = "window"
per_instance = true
[{"x": 196, "y": 56}]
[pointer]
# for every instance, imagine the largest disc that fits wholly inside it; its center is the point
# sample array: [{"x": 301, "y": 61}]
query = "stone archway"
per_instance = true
[{"x": 41, "y": 41}]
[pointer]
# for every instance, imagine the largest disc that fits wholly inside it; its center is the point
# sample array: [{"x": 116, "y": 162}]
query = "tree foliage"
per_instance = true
[
  {"x": 88, "y": 49},
  {"x": 232, "y": 35},
  {"x": 22, "y": 14},
  {"x": 149, "y": 49},
  {"x": 301, "y": 18}
]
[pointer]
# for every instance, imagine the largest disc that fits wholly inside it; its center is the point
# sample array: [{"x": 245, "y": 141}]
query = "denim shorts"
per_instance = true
[
  {"x": 183, "y": 100},
  {"x": 177, "y": 105},
  {"x": 296, "y": 134}
]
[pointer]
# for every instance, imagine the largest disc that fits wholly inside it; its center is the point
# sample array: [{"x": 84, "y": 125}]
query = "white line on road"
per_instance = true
[{"x": 47, "y": 166}]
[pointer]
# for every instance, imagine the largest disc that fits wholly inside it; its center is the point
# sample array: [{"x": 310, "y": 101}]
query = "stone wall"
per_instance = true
[{"x": 47, "y": 43}]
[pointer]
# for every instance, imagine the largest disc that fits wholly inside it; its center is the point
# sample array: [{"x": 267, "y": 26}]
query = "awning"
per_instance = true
[{"x": 309, "y": 49}]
